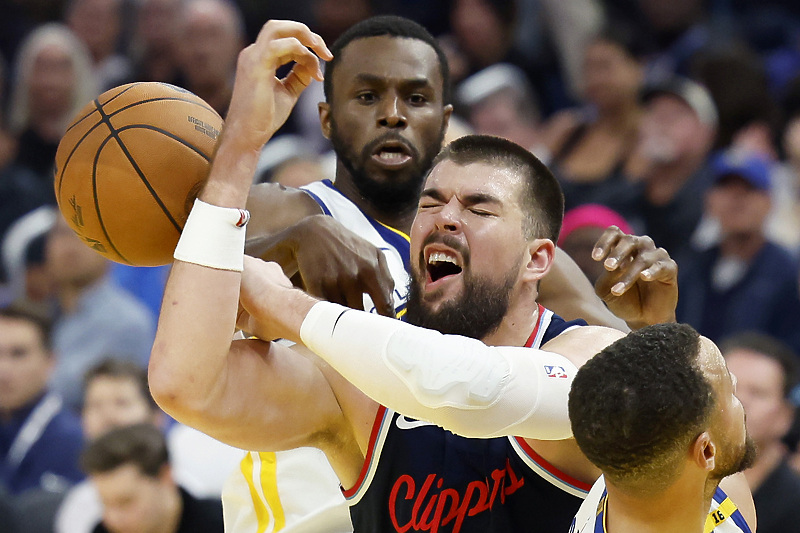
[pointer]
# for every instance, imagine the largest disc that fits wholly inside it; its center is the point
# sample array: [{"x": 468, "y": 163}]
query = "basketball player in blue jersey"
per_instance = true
[
  {"x": 386, "y": 111},
  {"x": 657, "y": 412},
  {"x": 481, "y": 237}
]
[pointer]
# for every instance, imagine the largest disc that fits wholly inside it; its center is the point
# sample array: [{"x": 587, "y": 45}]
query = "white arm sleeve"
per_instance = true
[{"x": 458, "y": 383}]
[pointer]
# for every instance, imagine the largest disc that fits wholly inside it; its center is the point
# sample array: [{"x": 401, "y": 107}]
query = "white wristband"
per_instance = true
[{"x": 214, "y": 237}]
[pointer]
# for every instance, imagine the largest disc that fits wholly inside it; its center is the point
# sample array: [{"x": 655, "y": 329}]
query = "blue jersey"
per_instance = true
[{"x": 420, "y": 477}]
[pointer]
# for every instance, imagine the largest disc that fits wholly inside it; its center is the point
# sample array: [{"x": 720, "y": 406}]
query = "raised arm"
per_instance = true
[{"x": 250, "y": 393}]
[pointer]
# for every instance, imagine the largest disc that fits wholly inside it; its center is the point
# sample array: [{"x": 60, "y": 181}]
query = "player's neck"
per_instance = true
[
  {"x": 651, "y": 513},
  {"x": 398, "y": 217},
  {"x": 516, "y": 326}
]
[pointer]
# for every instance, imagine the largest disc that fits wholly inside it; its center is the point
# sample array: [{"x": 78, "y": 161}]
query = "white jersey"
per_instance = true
[
  {"x": 723, "y": 516},
  {"x": 297, "y": 491}
]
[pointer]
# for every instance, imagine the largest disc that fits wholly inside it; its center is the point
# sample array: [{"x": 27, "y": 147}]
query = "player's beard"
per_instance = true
[
  {"x": 476, "y": 312},
  {"x": 390, "y": 196},
  {"x": 742, "y": 459}
]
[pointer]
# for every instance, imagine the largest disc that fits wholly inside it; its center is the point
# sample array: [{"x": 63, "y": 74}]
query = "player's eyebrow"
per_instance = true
[{"x": 372, "y": 79}]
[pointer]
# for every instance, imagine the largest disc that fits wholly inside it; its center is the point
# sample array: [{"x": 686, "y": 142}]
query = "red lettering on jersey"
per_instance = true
[{"x": 442, "y": 508}]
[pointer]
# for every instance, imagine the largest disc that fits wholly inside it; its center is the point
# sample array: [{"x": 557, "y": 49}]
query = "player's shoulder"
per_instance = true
[
  {"x": 579, "y": 344},
  {"x": 736, "y": 489}
]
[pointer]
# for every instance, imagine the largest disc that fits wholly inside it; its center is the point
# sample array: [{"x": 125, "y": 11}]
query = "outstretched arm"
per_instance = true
[
  {"x": 234, "y": 390},
  {"x": 458, "y": 383}
]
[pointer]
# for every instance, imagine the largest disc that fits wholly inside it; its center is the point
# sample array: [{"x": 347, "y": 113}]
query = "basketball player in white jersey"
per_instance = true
[
  {"x": 383, "y": 154},
  {"x": 657, "y": 412}
]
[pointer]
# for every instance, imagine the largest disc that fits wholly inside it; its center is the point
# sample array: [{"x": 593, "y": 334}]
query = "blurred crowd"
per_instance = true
[{"x": 679, "y": 119}]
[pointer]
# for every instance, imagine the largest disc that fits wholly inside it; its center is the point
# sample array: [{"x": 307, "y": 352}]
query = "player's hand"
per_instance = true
[
  {"x": 261, "y": 102},
  {"x": 334, "y": 263},
  {"x": 262, "y": 298},
  {"x": 640, "y": 284}
]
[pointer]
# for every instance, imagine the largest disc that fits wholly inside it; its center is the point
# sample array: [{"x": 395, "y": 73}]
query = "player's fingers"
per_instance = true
[
  {"x": 628, "y": 276},
  {"x": 606, "y": 243},
  {"x": 353, "y": 297},
  {"x": 661, "y": 267},
  {"x": 297, "y": 80},
  {"x": 277, "y": 29},
  {"x": 621, "y": 253},
  {"x": 282, "y": 51},
  {"x": 379, "y": 284}
]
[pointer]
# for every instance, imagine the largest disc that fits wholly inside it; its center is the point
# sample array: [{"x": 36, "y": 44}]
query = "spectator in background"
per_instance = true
[
  {"x": 52, "y": 82},
  {"x": 116, "y": 394},
  {"x": 95, "y": 317},
  {"x": 676, "y": 135},
  {"x": 581, "y": 229},
  {"x": 483, "y": 33},
  {"x": 737, "y": 80},
  {"x": 745, "y": 282},
  {"x": 130, "y": 467},
  {"x": 39, "y": 438},
  {"x": 211, "y": 34},
  {"x": 22, "y": 252},
  {"x": 21, "y": 191},
  {"x": 98, "y": 24},
  {"x": 154, "y": 45},
  {"x": 499, "y": 100},
  {"x": 784, "y": 219},
  {"x": 766, "y": 372},
  {"x": 591, "y": 147}
]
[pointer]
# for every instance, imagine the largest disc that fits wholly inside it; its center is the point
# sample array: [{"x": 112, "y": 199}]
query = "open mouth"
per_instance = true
[
  {"x": 392, "y": 153},
  {"x": 441, "y": 265}
]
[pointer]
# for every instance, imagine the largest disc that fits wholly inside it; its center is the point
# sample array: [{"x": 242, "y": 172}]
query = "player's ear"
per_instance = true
[
  {"x": 448, "y": 111},
  {"x": 704, "y": 452},
  {"x": 540, "y": 256},
  {"x": 325, "y": 118}
]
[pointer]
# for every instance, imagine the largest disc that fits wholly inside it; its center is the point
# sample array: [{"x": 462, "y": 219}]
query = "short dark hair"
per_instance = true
[
  {"x": 142, "y": 445},
  {"x": 768, "y": 347},
  {"x": 542, "y": 199},
  {"x": 33, "y": 313},
  {"x": 392, "y": 26},
  {"x": 117, "y": 368},
  {"x": 637, "y": 406}
]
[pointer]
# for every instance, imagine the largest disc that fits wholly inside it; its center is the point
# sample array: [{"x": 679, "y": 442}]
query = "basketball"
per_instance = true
[{"x": 129, "y": 167}]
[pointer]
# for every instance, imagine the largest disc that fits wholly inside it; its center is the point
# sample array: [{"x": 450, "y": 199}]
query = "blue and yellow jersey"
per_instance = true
[{"x": 723, "y": 515}]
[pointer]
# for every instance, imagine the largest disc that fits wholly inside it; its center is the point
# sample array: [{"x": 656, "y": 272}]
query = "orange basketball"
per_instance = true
[{"x": 129, "y": 168}]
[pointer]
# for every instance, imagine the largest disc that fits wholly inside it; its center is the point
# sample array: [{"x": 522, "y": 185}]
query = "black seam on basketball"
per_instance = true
[
  {"x": 96, "y": 199},
  {"x": 168, "y": 134},
  {"x": 96, "y": 102},
  {"x": 74, "y": 148},
  {"x": 106, "y": 119},
  {"x": 120, "y": 94},
  {"x": 160, "y": 99}
]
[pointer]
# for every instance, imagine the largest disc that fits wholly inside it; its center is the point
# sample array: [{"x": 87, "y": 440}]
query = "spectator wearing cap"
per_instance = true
[
  {"x": 675, "y": 141},
  {"x": 745, "y": 281},
  {"x": 581, "y": 229},
  {"x": 766, "y": 372}
]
